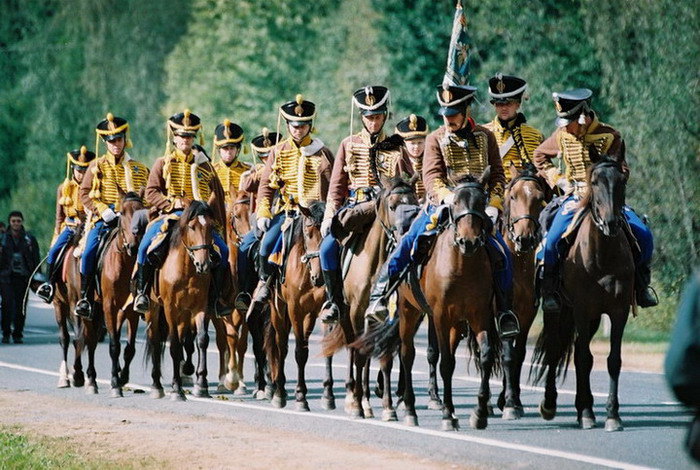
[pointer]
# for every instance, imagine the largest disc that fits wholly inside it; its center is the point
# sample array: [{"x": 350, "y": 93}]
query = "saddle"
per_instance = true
[
  {"x": 158, "y": 249},
  {"x": 352, "y": 219},
  {"x": 280, "y": 254},
  {"x": 105, "y": 240}
]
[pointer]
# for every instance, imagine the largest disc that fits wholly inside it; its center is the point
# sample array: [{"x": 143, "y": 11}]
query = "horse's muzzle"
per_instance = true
[
  {"x": 316, "y": 279},
  {"x": 468, "y": 247},
  {"x": 201, "y": 267},
  {"x": 525, "y": 243}
]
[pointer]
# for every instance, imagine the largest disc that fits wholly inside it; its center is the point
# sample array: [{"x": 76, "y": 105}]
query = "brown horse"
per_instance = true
[
  {"x": 525, "y": 197},
  {"x": 115, "y": 278},
  {"x": 67, "y": 293},
  {"x": 232, "y": 330},
  {"x": 180, "y": 298},
  {"x": 296, "y": 303},
  {"x": 370, "y": 251},
  {"x": 598, "y": 278}
]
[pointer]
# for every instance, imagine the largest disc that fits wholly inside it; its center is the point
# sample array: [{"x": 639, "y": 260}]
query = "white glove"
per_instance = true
[
  {"x": 492, "y": 212},
  {"x": 200, "y": 156},
  {"x": 326, "y": 227},
  {"x": 564, "y": 185},
  {"x": 449, "y": 199},
  {"x": 263, "y": 223},
  {"x": 108, "y": 215}
]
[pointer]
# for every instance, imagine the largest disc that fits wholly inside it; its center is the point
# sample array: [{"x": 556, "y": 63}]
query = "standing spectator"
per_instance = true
[
  {"x": 3, "y": 228},
  {"x": 19, "y": 255}
]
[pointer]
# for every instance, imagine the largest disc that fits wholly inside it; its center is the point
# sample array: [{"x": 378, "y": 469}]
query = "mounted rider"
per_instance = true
[
  {"x": 107, "y": 179},
  {"x": 458, "y": 148},
  {"x": 414, "y": 129},
  {"x": 183, "y": 175},
  {"x": 299, "y": 168},
  {"x": 70, "y": 214},
  {"x": 228, "y": 139},
  {"x": 354, "y": 186},
  {"x": 516, "y": 140},
  {"x": 578, "y": 129}
]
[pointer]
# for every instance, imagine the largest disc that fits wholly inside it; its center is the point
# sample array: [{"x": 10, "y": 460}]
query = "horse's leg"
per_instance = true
[
  {"x": 328, "y": 400},
  {"x": 553, "y": 351},
  {"x": 241, "y": 347},
  {"x": 233, "y": 379},
  {"x": 91, "y": 330},
  {"x": 187, "y": 369},
  {"x": 130, "y": 349},
  {"x": 408, "y": 356},
  {"x": 256, "y": 328},
  {"x": 279, "y": 398},
  {"x": 302, "y": 330},
  {"x": 583, "y": 360},
  {"x": 362, "y": 391},
  {"x": 201, "y": 388},
  {"x": 388, "y": 412},
  {"x": 175, "y": 332},
  {"x": 446, "y": 340},
  {"x": 78, "y": 344},
  {"x": 479, "y": 417},
  {"x": 519, "y": 352},
  {"x": 154, "y": 352},
  {"x": 508, "y": 362},
  {"x": 350, "y": 407},
  {"x": 222, "y": 348},
  {"x": 617, "y": 328},
  {"x": 434, "y": 403},
  {"x": 114, "y": 346},
  {"x": 62, "y": 311}
]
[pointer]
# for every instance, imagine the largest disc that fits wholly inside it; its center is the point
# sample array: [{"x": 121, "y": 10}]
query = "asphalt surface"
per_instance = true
[{"x": 654, "y": 423}]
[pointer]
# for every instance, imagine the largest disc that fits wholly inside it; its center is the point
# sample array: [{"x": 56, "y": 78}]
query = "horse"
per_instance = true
[
  {"x": 67, "y": 293},
  {"x": 180, "y": 298},
  {"x": 524, "y": 198},
  {"x": 370, "y": 251},
  {"x": 296, "y": 302},
  {"x": 118, "y": 263},
  {"x": 598, "y": 278},
  {"x": 232, "y": 331}
]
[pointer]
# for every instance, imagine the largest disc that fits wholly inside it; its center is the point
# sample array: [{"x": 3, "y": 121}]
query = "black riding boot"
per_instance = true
[
  {"x": 216, "y": 305},
  {"x": 333, "y": 282},
  {"x": 83, "y": 308},
  {"x": 378, "y": 308},
  {"x": 263, "y": 291},
  {"x": 645, "y": 294},
  {"x": 507, "y": 322},
  {"x": 551, "y": 300},
  {"x": 46, "y": 290},
  {"x": 144, "y": 276}
]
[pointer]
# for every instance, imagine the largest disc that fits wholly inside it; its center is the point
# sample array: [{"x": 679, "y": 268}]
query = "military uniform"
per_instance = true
[
  {"x": 230, "y": 174},
  {"x": 107, "y": 179},
  {"x": 411, "y": 128},
  {"x": 175, "y": 179},
  {"x": 70, "y": 213},
  {"x": 299, "y": 172},
  {"x": 574, "y": 152}
]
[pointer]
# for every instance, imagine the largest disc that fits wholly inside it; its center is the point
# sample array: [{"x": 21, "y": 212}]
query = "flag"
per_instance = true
[{"x": 457, "y": 72}]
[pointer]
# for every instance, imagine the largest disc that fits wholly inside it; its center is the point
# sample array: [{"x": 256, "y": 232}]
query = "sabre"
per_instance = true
[{"x": 26, "y": 291}]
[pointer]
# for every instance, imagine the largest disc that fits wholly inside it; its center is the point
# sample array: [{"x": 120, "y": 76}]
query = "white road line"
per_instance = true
[{"x": 428, "y": 432}]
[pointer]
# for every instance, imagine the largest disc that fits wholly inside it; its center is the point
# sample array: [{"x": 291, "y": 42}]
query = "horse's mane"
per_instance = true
[
  {"x": 132, "y": 196},
  {"x": 604, "y": 160},
  {"x": 466, "y": 179},
  {"x": 195, "y": 209},
  {"x": 398, "y": 182},
  {"x": 317, "y": 209},
  {"x": 528, "y": 171}
]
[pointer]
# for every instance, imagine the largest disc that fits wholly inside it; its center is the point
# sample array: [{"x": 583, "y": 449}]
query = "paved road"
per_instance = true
[{"x": 654, "y": 422}]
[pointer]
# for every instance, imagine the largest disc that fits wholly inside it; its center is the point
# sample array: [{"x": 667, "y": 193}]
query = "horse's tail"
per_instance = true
[
  {"x": 333, "y": 341},
  {"x": 381, "y": 341},
  {"x": 475, "y": 352},
  {"x": 554, "y": 346},
  {"x": 270, "y": 345},
  {"x": 161, "y": 337}
]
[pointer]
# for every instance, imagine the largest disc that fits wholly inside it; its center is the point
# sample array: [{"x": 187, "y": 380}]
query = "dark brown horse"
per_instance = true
[
  {"x": 180, "y": 298},
  {"x": 115, "y": 278},
  {"x": 296, "y": 303},
  {"x": 525, "y": 197},
  {"x": 598, "y": 278},
  {"x": 369, "y": 252}
]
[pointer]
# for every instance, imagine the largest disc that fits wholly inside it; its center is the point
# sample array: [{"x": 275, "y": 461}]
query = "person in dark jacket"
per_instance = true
[{"x": 19, "y": 255}]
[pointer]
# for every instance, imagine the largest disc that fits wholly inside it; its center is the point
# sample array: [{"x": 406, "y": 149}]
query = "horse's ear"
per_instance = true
[
  {"x": 620, "y": 157},
  {"x": 142, "y": 192},
  {"x": 513, "y": 170},
  {"x": 593, "y": 153},
  {"x": 304, "y": 211},
  {"x": 412, "y": 180},
  {"x": 484, "y": 178}
]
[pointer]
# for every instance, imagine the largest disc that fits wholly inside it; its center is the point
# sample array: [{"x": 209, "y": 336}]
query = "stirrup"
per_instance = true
[
  {"x": 83, "y": 309},
  {"x": 221, "y": 310},
  {"x": 645, "y": 297},
  {"x": 507, "y": 324},
  {"x": 377, "y": 313},
  {"x": 330, "y": 313},
  {"x": 551, "y": 302},
  {"x": 242, "y": 302},
  {"x": 141, "y": 304},
  {"x": 45, "y": 292}
]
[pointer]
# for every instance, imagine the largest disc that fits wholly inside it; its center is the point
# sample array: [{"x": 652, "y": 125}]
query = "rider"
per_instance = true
[
  {"x": 69, "y": 214},
  {"x": 353, "y": 186},
  {"x": 107, "y": 178},
  {"x": 516, "y": 140},
  {"x": 183, "y": 174},
  {"x": 299, "y": 168},
  {"x": 250, "y": 181},
  {"x": 413, "y": 130},
  {"x": 228, "y": 138},
  {"x": 578, "y": 128},
  {"x": 458, "y": 148}
]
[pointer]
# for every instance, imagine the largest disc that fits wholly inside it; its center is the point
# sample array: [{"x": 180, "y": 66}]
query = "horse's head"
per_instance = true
[
  {"x": 468, "y": 213},
  {"x": 398, "y": 193},
  {"x": 524, "y": 199},
  {"x": 606, "y": 194},
  {"x": 196, "y": 234},
  {"x": 239, "y": 214},
  {"x": 131, "y": 202},
  {"x": 311, "y": 238}
]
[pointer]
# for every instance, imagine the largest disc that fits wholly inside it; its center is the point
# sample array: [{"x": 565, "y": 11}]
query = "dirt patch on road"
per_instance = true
[{"x": 158, "y": 439}]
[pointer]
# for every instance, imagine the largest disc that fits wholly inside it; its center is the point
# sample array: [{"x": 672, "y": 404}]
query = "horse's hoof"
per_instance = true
[
  {"x": 511, "y": 413},
  {"x": 91, "y": 390},
  {"x": 519, "y": 411},
  {"x": 587, "y": 423},
  {"x": 279, "y": 402},
  {"x": 367, "y": 410},
  {"x": 186, "y": 381},
  {"x": 448, "y": 424},
  {"x": 501, "y": 402},
  {"x": 328, "y": 403},
  {"x": 63, "y": 382},
  {"x": 434, "y": 404},
  {"x": 78, "y": 380},
  {"x": 175, "y": 396},
  {"x": 389, "y": 415},
  {"x": 201, "y": 392},
  {"x": 269, "y": 391},
  {"x": 411, "y": 420},
  {"x": 547, "y": 413},
  {"x": 221, "y": 389},
  {"x": 157, "y": 393},
  {"x": 302, "y": 406},
  {"x": 357, "y": 413},
  {"x": 241, "y": 390},
  {"x": 489, "y": 410},
  {"x": 478, "y": 422},
  {"x": 260, "y": 395},
  {"x": 116, "y": 392},
  {"x": 613, "y": 424},
  {"x": 186, "y": 368}
]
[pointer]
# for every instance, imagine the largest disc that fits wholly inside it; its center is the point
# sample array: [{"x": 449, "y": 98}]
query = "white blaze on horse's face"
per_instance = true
[{"x": 202, "y": 220}]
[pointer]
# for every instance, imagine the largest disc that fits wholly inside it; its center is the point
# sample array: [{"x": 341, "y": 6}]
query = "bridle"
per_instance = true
[
  {"x": 233, "y": 225},
  {"x": 390, "y": 231},
  {"x": 594, "y": 214},
  {"x": 510, "y": 225},
  {"x": 192, "y": 249},
  {"x": 456, "y": 217}
]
